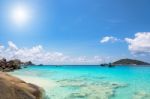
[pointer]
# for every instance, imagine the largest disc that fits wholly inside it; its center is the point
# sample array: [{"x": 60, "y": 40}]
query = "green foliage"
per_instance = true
[{"x": 130, "y": 62}]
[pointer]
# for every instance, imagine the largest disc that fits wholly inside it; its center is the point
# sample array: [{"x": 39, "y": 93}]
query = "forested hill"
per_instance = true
[{"x": 130, "y": 62}]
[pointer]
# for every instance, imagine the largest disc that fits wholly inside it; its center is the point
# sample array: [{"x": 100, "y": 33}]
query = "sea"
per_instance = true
[{"x": 89, "y": 81}]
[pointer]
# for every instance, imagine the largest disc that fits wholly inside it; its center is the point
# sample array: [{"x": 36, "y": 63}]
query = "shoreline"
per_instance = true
[{"x": 35, "y": 80}]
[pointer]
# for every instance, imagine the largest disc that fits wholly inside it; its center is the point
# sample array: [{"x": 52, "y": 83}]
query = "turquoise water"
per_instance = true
[{"x": 89, "y": 82}]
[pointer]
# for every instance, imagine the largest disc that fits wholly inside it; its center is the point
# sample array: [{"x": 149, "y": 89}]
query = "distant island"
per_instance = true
[{"x": 130, "y": 62}]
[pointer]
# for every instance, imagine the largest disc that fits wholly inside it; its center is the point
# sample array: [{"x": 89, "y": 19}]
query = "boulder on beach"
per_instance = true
[{"x": 14, "y": 88}]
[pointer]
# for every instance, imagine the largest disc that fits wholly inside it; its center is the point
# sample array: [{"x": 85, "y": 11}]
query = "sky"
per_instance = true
[{"x": 74, "y": 31}]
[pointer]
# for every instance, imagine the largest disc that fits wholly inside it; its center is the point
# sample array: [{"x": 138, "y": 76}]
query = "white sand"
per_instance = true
[{"x": 44, "y": 83}]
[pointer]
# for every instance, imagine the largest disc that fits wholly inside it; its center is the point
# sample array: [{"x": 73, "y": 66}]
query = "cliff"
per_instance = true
[{"x": 14, "y": 88}]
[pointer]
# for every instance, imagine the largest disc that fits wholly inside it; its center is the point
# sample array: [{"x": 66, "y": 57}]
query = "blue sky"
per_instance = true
[{"x": 75, "y": 27}]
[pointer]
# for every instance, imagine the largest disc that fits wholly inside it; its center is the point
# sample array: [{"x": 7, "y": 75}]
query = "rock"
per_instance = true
[
  {"x": 11, "y": 65},
  {"x": 14, "y": 88},
  {"x": 27, "y": 63}
]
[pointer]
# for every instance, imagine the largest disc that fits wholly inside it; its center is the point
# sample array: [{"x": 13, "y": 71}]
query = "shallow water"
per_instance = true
[{"x": 89, "y": 82}]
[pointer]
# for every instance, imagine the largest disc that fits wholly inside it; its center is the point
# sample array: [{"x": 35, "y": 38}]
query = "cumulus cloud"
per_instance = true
[
  {"x": 38, "y": 55},
  {"x": 108, "y": 39},
  {"x": 140, "y": 43}
]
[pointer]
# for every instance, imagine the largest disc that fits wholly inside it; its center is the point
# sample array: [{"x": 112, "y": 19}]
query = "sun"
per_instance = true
[{"x": 20, "y": 15}]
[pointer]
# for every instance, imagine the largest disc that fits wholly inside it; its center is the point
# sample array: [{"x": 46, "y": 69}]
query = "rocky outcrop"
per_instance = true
[
  {"x": 27, "y": 63},
  {"x": 11, "y": 65},
  {"x": 14, "y": 88}
]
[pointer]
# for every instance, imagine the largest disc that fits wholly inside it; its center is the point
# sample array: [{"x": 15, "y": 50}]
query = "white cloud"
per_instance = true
[
  {"x": 1, "y": 47},
  {"x": 38, "y": 55},
  {"x": 12, "y": 45},
  {"x": 108, "y": 39},
  {"x": 139, "y": 44}
]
